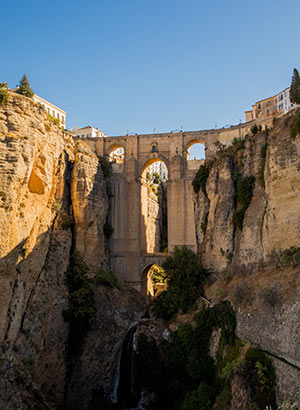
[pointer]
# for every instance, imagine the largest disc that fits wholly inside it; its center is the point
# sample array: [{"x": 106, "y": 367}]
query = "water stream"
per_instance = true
[{"x": 122, "y": 391}]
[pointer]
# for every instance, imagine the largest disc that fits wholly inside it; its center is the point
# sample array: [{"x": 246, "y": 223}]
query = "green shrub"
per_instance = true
[
  {"x": 181, "y": 372},
  {"x": 295, "y": 130},
  {"x": 261, "y": 171},
  {"x": 290, "y": 257},
  {"x": 238, "y": 218},
  {"x": 158, "y": 274},
  {"x": 66, "y": 221},
  {"x": 54, "y": 120},
  {"x": 200, "y": 399},
  {"x": 223, "y": 399},
  {"x": 105, "y": 166},
  {"x": 238, "y": 143},
  {"x": 3, "y": 94},
  {"x": 258, "y": 372},
  {"x": 199, "y": 181},
  {"x": 108, "y": 278},
  {"x": 185, "y": 278},
  {"x": 254, "y": 129},
  {"x": 245, "y": 186}
]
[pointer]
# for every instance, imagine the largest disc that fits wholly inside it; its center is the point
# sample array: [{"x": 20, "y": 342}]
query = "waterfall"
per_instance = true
[
  {"x": 114, "y": 393},
  {"x": 121, "y": 391}
]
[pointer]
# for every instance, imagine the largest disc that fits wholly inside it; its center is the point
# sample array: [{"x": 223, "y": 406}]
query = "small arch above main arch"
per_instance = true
[{"x": 193, "y": 141}]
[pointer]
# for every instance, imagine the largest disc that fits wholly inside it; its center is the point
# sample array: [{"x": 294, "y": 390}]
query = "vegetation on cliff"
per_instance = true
[
  {"x": 184, "y": 374},
  {"x": 244, "y": 193},
  {"x": 185, "y": 277},
  {"x": 199, "y": 181},
  {"x": 295, "y": 87},
  {"x": 24, "y": 87},
  {"x": 3, "y": 93}
]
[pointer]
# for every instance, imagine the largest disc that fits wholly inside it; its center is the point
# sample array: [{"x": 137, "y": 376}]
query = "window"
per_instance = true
[
  {"x": 154, "y": 148},
  {"x": 62, "y": 119}
]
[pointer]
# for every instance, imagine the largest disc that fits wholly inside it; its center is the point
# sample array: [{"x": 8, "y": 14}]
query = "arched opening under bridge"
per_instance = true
[
  {"x": 116, "y": 154},
  {"x": 153, "y": 281},
  {"x": 154, "y": 218},
  {"x": 195, "y": 150},
  {"x": 195, "y": 154}
]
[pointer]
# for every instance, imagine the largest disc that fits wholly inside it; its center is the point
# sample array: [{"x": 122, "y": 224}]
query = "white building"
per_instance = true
[
  {"x": 52, "y": 109},
  {"x": 283, "y": 102},
  {"x": 160, "y": 168},
  {"x": 87, "y": 132}
]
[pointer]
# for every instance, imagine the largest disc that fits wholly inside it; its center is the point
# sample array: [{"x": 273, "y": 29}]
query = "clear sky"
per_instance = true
[{"x": 140, "y": 65}]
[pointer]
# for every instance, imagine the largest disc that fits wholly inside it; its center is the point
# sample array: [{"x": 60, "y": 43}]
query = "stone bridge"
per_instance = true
[{"x": 129, "y": 258}]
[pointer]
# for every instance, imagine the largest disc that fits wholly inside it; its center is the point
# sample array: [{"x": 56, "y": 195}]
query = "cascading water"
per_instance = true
[
  {"x": 121, "y": 391},
  {"x": 125, "y": 394}
]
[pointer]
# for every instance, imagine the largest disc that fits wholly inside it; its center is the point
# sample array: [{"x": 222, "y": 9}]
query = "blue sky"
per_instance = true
[{"x": 140, "y": 65}]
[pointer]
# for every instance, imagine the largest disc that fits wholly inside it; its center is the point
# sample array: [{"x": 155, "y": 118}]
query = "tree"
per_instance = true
[
  {"x": 24, "y": 87},
  {"x": 185, "y": 277},
  {"x": 295, "y": 87}
]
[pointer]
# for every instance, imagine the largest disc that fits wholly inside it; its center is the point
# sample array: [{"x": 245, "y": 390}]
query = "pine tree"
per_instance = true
[
  {"x": 295, "y": 87},
  {"x": 24, "y": 87}
]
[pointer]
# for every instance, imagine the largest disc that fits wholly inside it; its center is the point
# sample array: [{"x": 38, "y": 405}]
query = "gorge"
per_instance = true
[{"x": 58, "y": 199}]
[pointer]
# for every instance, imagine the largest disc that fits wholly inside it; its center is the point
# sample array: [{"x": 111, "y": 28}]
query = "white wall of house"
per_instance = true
[
  {"x": 52, "y": 109},
  {"x": 87, "y": 132}
]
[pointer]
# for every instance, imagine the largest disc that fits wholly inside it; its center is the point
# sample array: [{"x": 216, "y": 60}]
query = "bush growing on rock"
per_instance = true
[
  {"x": 108, "y": 278},
  {"x": 245, "y": 186},
  {"x": 258, "y": 372},
  {"x": 105, "y": 166},
  {"x": 199, "y": 181},
  {"x": 181, "y": 372},
  {"x": 185, "y": 277}
]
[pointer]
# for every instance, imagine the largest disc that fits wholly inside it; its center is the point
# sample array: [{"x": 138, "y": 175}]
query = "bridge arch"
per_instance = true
[
  {"x": 153, "y": 204},
  {"x": 116, "y": 152},
  {"x": 195, "y": 143},
  {"x": 147, "y": 285},
  {"x": 151, "y": 160}
]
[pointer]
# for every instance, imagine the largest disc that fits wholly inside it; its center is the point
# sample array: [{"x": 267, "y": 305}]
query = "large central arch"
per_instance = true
[{"x": 154, "y": 222}]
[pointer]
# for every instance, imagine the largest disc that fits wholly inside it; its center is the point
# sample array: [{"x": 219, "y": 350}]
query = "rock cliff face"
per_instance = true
[
  {"x": 266, "y": 301},
  {"x": 53, "y": 200},
  {"x": 271, "y": 223}
]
